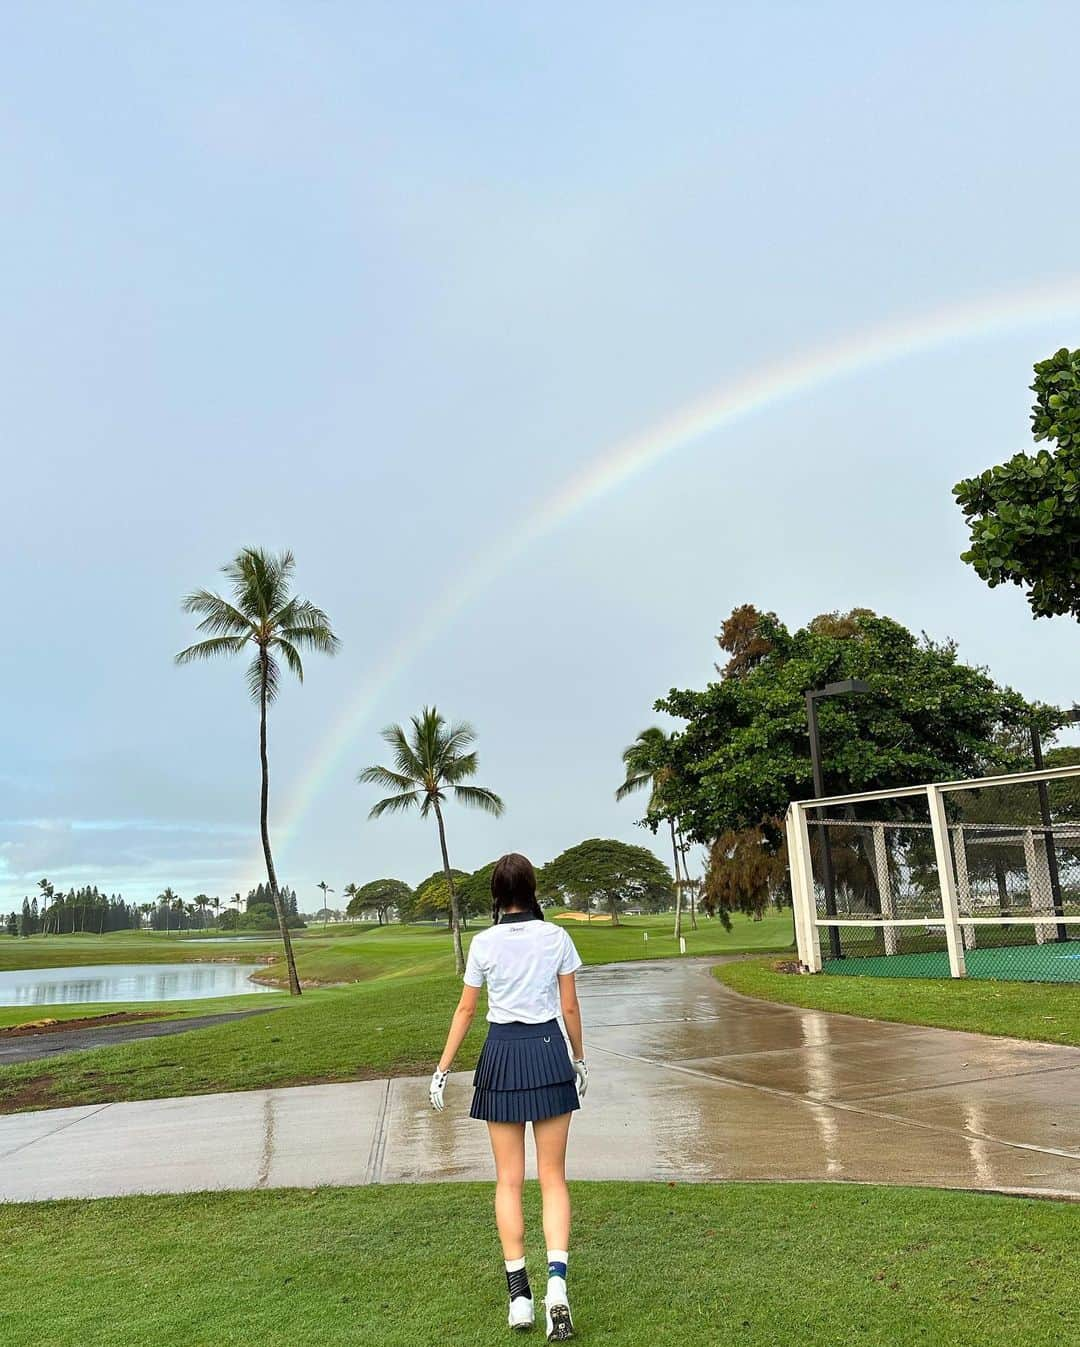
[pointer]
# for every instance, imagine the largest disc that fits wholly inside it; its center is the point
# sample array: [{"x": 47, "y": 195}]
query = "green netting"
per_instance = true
[{"x": 1056, "y": 962}]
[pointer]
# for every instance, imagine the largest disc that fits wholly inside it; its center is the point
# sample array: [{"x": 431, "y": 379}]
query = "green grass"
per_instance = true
[
  {"x": 1047, "y": 1012},
  {"x": 388, "y": 1015},
  {"x": 62, "y": 951},
  {"x": 652, "y": 1264}
]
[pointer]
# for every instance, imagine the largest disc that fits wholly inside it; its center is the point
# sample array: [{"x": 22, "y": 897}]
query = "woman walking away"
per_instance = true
[{"x": 524, "y": 1074}]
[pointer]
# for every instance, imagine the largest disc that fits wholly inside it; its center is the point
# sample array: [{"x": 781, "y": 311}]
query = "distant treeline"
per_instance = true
[
  {"x": 79, "y": 910},
  {"x": 90, "y": 911}
]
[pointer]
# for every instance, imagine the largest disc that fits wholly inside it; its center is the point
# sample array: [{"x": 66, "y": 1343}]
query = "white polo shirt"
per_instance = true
[{"x": 521, "y": 961}]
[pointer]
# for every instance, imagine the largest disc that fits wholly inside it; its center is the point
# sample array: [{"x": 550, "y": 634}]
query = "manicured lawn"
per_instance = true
[
  {"x": 1048, "y": 1012},
  {"x": 758, "y": 1265},
  {"x": 387, "y": 1016}
]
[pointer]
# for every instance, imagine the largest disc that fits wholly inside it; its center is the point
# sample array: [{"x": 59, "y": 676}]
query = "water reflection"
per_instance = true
[{"x": 126, "y": 982}]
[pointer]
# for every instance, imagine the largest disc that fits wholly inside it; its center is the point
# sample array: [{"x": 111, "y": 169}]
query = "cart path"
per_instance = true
[{"x": 689, "y": 1082}]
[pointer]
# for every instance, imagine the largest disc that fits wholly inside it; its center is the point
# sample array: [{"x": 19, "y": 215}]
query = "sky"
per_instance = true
[{"x": 543, "y": 336}]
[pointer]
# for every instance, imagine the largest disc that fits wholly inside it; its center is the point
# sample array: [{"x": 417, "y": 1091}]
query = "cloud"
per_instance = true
[{"x": 134, "y": 855}]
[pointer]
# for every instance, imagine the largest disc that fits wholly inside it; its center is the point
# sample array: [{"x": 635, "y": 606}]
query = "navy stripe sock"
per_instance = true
[{"x": 557, "y": 1263}]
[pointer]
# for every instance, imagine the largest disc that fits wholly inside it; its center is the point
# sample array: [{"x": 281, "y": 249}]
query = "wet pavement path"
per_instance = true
[
  {"x": 30, "y": 1047},
  {"x": 689, "y": 1082}
]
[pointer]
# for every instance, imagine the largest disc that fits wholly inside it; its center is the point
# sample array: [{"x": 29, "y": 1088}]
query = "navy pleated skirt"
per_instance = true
[{"x": 524, "y": 1074}]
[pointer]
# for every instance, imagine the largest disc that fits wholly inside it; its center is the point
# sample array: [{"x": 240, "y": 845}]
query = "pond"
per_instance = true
[{"x": 126, "y": 982}]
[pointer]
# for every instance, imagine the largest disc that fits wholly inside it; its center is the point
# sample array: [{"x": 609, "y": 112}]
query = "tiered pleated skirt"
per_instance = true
[{"x": 524, "y": 1074}]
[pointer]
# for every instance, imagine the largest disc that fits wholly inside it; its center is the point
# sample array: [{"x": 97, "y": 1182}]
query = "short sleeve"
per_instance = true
[
  {"x": 571, "y": 959},
  {"x": 474, "y": 969}
]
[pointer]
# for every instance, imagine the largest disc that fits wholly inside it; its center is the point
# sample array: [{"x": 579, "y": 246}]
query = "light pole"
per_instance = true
[
  {"x": 841, "y": 689},
  {"x": 1048, "y": 824}
]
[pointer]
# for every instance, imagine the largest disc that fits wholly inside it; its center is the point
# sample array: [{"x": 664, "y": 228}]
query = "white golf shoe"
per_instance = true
[
  {"x": 560, "y": 1327},
  {"x": 522, "y": 1312}
]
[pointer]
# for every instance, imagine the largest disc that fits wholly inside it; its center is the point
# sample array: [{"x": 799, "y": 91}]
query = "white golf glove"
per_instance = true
[
  {"x": 435, "y": 1091},
  {"x": 581, "y": 1071}
]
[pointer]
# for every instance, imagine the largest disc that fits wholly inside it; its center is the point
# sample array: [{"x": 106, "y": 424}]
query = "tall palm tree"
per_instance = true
[
  {"x": 322, "y": 884},
  {"x": 215, "y": 903},
  {"x": 48, "y": 893},
  {"x": 430, "y": 762},
  {"x": 168, "y": 900},
  {"x": 350, "y": 891},
  {"x": 645, "y": 768},
  {"x": 278, "y": 624}
]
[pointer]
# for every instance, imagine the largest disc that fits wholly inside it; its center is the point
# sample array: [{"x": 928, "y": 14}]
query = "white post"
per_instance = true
[
  {"x": 946, "y": 882},
  {"x": 802, "y": 889},
  {"x": 885, "y": 888},
  {"x": 1038, "y": 875},
  {"x": 963, "y": 884}
]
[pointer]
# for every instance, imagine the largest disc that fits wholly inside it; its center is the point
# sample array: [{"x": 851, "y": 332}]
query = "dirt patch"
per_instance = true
[
  {"x": 34, "y": 1094},
  {"x": 786, "y": 966},
  {"x": 86, "y": 1022}
]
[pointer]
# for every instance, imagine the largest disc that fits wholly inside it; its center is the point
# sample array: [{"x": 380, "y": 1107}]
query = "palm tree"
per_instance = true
[
  {"x": 145, "y": 909},
  {"x": 215, "y": 903},
  {"x": 168, "y": 899},
  {"x": 644, "y": 762},
  {"x": 429, "y": 761},
  {"x": 266, "y": 615},
  {"x": 48, "y": 893},
  {"x": 322, "y": 884},
  {"x": 350, "y": 891}
]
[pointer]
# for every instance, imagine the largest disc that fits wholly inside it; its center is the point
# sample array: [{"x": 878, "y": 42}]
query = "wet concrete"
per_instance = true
[
  {"x": 30, "y": 1047},
  {"x": 688, "y": 1082}
]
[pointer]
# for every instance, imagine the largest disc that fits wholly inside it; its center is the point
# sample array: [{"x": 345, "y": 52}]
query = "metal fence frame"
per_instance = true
[{"x": 808, "y": 925}]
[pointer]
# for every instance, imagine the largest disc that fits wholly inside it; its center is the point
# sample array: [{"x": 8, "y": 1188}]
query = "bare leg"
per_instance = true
[
  {"x": 550, "y": 1138},
  {"x": 508, "y": 1148}
]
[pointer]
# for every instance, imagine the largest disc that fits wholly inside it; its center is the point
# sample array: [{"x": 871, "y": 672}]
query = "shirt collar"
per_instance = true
[{"x": 508, "y": 917}]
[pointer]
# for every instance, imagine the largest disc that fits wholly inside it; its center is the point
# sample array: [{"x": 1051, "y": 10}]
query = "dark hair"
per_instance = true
[{"x": 513, "y": 885}]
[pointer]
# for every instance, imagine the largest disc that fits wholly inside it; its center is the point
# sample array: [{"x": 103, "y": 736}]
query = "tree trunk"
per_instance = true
[
  {"x": 689, "y": 886},
  {"x": 271, "y": 876},
  {"x": 455, "y": 918},
  {"x": 1002, "y": 888},
  {"x": 678, "y": 881}
]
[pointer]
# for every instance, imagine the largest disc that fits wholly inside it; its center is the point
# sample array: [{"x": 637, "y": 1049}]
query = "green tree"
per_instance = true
[
  {"x": 384, "y": 895},
  {"x": 474, "y": 891},
  {"x": 433, "y": 896},
  {"x": 609, "y": 873},
  {"x": 430, "y": 761},
  {"x": 744, "y": 751},
  {"x": 266, "y": 615},
  {"x": 647, "y": 767},
  {"x": 1024, "y": 514}
]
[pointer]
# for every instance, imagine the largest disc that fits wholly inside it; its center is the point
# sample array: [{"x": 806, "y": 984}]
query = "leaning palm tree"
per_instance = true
[
  {"x": 263, "y": 614},
  {"x": 430, "y": 760},
  {"x": 645, "y": 768}
]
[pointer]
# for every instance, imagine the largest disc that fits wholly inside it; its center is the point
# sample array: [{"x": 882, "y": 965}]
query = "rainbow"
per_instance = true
[{"x": 620, "y": 464}]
